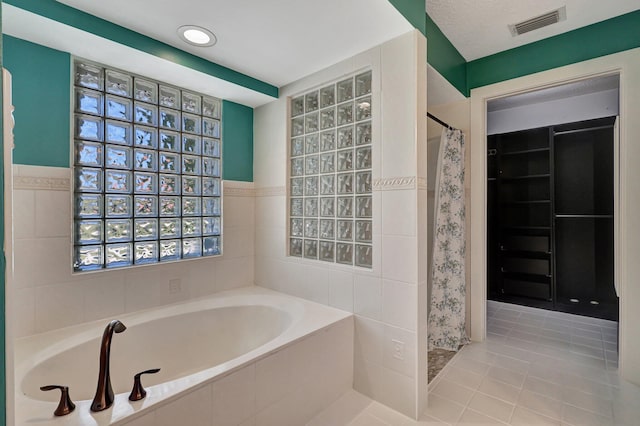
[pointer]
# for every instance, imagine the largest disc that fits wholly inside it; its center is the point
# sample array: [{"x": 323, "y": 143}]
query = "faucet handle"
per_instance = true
[
  {"x": 138, "y": 392},
  {"x": 65, "y": 406}
]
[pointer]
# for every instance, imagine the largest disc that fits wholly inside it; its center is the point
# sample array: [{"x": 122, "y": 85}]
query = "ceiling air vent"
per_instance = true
[{"x": 539, "y": 22}]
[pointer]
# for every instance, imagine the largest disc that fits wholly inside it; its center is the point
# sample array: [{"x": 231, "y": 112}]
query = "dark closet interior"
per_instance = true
[{"x": 550, "y": 218}]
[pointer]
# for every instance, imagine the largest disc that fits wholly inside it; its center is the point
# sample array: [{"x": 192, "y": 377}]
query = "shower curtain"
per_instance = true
[{"x": 447, "y": 311}]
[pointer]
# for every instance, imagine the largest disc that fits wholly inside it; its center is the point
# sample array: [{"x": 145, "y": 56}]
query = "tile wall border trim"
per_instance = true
[
  {"x": 400, "y": 182},
  {"x": 271, "y": 191},
  {"x": 41, "y": 183},
  {"x": 236, "y": 188}
]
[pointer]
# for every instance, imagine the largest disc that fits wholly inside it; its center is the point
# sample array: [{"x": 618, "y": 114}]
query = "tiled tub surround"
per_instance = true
[
  {"x": 50, "y": 296},
  {"x": 272, "y": 360}
]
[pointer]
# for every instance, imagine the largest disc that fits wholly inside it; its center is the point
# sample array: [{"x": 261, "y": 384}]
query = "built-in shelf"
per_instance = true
[
  {"x": 526, "y": 253},
  {"x": 546, "y": 175},
  {"x": 524, "y": 228},
  {"x": 584, "y": 216},
  {"x": 526, "y": 151},
  {"x": 539, "y": 278},
  {"x": 529, "y": 202}
]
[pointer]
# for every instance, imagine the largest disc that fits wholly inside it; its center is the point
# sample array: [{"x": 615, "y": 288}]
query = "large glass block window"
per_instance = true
[
  {"x": 330, "y": 201},
  {"x": 147, "y": 171}
]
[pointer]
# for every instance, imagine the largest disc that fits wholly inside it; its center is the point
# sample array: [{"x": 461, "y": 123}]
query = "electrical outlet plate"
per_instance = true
[
  {"x": 398, "y": 349},
  {"x": 175, "y": 286}
]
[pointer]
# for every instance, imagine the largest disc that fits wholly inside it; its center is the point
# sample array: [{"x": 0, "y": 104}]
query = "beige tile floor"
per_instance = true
[{"x": 535, "y": 368}]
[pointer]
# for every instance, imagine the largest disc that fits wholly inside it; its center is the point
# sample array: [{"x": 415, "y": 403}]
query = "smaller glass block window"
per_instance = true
[
  {"x": 147, "y": 171},
  {"x": 330, "y": 176}
]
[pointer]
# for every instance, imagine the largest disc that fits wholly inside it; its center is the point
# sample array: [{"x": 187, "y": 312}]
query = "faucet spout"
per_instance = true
[{"x": 104, "y": 392}]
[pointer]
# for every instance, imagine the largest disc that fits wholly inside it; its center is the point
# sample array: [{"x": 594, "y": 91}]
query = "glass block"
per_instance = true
[
  {"x": 170, "y": 250},
  {"x": 311, "y": 102},
  {"x": 169, "y": 184},
  {"x": 297, "y": 207},
  {"x": 144, "y": 159},
  {"x": 327, "y": 96},
  {"x": 327, "y": 162},
  {"x": 211, "y": 167},
  {"x": 344, "y": 230},
  {"x": 145, "y": 90},
  {"x": 327, "y": 251},
  {"x": 88, "y": 180},
  {"x": 344, "y": 90},
  {"x": 311, "y": 144},
  {"x": 363, "y": 108},
  {"x": 328, "y": 140},
  {"x": 327, "y": 118},
  {"x": 146, "y": 137},
  {"x": 118, "y": 83},
  {"x": 88, "y": 127},
  {"x": 118, "y": 205},
  {"x": 118, "y": 157},
  {"x": 191, "y": 227},
  {"x": 119, "y": 255},
  {"x": 297, "y": 166},
  {"x": 211, "y": 128},
  {"x": 145, "y": 183},
  {"x": 191, "y": 206},
  {"x": 211, "y": 226},
  {"x": 345, "y": 137},
  {"x": 311, "y": 207},
  {"x": 88, "y": 206},
  {"x": 211, "y": 107},
  {"x": 363, "y": 182},
  {"x": 88, "y": 154},
  {"x": 145, "y": 252},
  {"x": 191, "y": 247},
  {"x": 327, "y": 229},
  {"x": 363, "y": 133},
  {"x": 297, "y": 106},
  {"x": 327, "y": 185},
  {"x": 364, "y": 207},
  {"x": 363, "y": 84},
  {"x": 87, "y": 258},
  {"x": 145, "y": 114},
  {"x": 311, "y": 123},
  {"x": 345, "y": 114},
  {"x": 297, "y": 227},
  {"x": 210, "y": 186},
  {"x": 327, "y": 207},
  {"x": 364, "y": 256},
  {"x": 145, "y": 229},
  {"x": 310, "y": 249},
  {"x": 88, "y": 231},
  {"x": 297, "y": 147},
  {"x": 363, "y": 158},
  {"x": 169, "y": 119},
  {"x": 118, "y": 132},
  {"x": 118, "y": 108},
  {"x": 191, "y": 102},
  {"x": 345, "y": 183},
  {"x": 211, "y": 206},
  {"x": 191, "y": 124},
  {"x": 364, "y": 231},
  {"x": 169, "y": 162},
  {"x": 170, "y": 228},
  {"x": 311, "y": 164},
  {"x": 295, "y": 247},
  {"x": 169, "y": 97},
  {"x": 211, "y": 246},
  {"x": 345, "y": 206},
  {"x": 297, "y": 126},
  {"x": 191, "y": 144},
  {"x": 88, "y": 75},
  {"x": 191, "y": 185},
  {"x": 88, "y": 101},
  {"x": 145, "y": 205},
  {"x": 169, "y": 206},
  {"x": 117, "y": 181},
  {"x": 311, "y": 228},
  {"x": 345, "y": 160},
  {"x": 211, "y": 147},
  {"x": 118, "y": 230},
  {"x": 190, "y": 164},
  {"x": 169, "y": 141}
]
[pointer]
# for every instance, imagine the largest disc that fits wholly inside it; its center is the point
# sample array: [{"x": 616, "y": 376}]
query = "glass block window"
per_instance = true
[
  {"x": 330, "y": 201},
  {"x": 147, "y": 171}
]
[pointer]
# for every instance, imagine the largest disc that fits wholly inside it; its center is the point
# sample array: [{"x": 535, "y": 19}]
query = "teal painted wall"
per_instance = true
[
  {"x": 3, "y": 351},
  {"x": 445, "y": 58},
  {"x": 42, "y": 114}
]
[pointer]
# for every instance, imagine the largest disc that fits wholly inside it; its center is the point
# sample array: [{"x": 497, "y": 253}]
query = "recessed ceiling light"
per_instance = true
[{"x": 197, "y": 36}]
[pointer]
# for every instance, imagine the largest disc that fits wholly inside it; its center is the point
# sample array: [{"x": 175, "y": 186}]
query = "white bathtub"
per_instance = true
[{"x": 195, "y": 344}]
